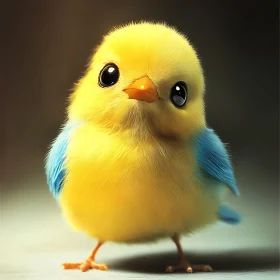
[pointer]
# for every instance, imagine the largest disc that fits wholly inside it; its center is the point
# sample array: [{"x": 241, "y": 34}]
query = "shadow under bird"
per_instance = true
[{"x": 135, "y": 160}]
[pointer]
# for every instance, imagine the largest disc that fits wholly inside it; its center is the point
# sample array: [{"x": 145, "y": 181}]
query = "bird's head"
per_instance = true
[{"x": 145, "y": 78}]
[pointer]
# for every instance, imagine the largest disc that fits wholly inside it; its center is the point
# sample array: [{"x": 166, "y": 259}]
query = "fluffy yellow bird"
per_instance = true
[{"x": 135, "y": 161}]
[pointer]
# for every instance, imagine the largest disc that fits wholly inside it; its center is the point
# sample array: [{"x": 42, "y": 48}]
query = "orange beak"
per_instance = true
[{"x": 142, "y": 89}]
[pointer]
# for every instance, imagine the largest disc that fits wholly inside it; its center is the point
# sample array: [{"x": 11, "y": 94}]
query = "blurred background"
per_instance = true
[{"x": 45, "y": 48}]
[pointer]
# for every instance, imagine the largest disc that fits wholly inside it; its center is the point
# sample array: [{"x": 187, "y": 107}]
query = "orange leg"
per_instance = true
[
  {"x": 89, "y": 263},
  {"x": 184, "y": 264}
]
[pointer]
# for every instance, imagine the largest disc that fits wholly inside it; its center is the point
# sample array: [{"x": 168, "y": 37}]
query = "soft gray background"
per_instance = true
[{"x": 44, "y": 50}]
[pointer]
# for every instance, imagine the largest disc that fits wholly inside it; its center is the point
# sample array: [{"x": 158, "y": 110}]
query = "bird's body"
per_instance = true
[
  {"x": 135, "y": 160},
  {"x": 131, "y": 190}
]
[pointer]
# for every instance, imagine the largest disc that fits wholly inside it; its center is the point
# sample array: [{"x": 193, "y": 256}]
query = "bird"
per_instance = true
[{"x": 135, "y": 161}]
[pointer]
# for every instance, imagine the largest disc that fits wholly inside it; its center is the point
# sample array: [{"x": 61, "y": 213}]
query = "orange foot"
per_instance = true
[
  {"x": 184, "y": 266},
  {"x": 89, "y": 263},
  {"x": 86, "y": 265}
]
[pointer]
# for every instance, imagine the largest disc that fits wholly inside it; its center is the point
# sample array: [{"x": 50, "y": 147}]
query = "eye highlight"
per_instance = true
[
  {"x": 179, "y": 94},
  {"x": 109, "y": 75}
]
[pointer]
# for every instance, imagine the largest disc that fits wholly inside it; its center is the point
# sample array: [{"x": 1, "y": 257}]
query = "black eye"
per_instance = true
[
  {"x": 179, "y": 94},
  {"x": 109, "y": 75}
]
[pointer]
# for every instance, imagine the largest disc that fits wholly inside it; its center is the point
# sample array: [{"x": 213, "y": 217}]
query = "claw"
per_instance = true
[
  {"x": 188, "y": 268},
  {"x": 85, "y": 266},
  {"x": 68, "y": 265}
]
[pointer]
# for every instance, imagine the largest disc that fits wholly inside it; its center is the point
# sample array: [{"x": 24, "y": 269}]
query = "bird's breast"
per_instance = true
[{"x": 124, "y": 190}]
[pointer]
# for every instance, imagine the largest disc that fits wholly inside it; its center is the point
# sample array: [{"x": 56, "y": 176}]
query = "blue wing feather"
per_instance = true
[
  {"x": 228, "y": 215},
  {"x": 55, "y": 162},
  {"x": 213, "y": 158}
]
